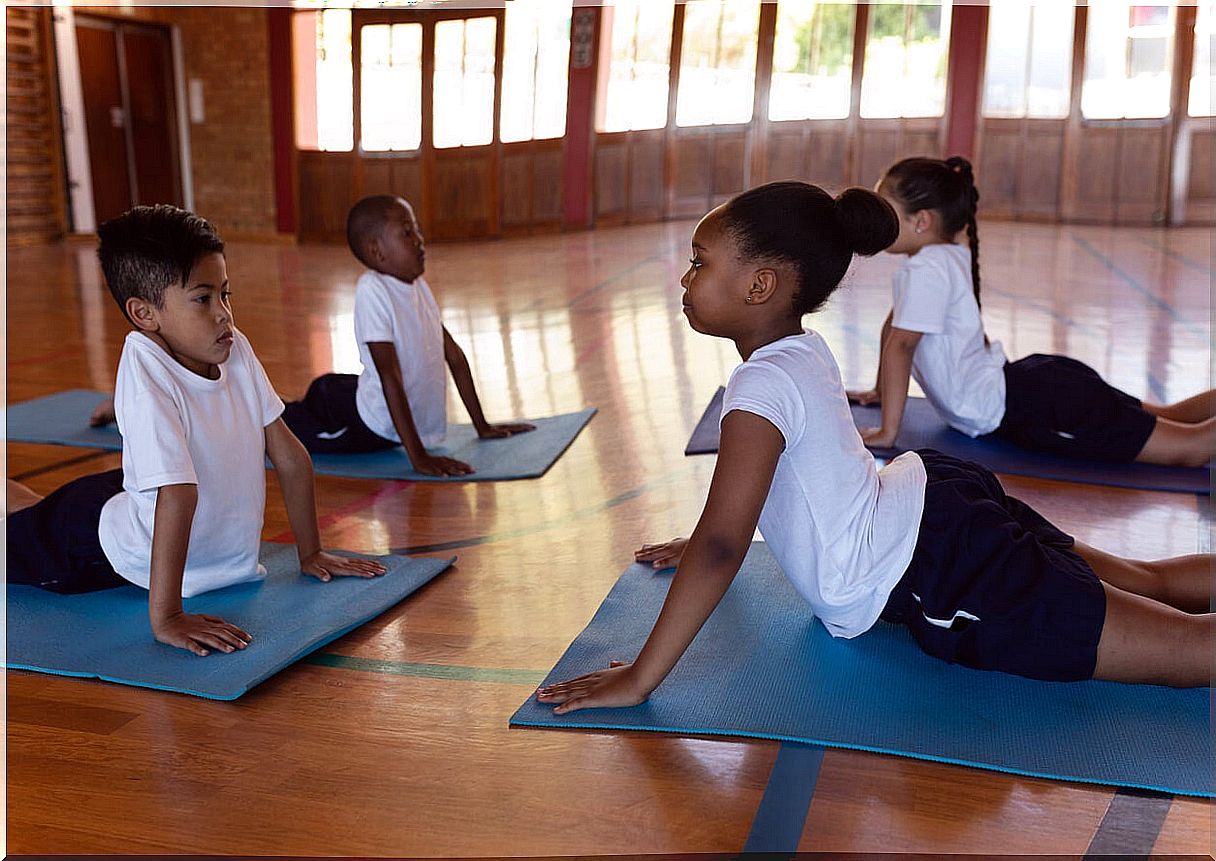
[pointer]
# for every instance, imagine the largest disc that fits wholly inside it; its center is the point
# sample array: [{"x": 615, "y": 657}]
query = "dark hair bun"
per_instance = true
[{"x": 869, "y": 222}]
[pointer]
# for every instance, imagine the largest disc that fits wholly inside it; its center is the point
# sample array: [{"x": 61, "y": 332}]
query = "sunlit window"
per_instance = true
[
  {"x": 905, "y": 69},
  {"x": 812, "y": 61},
  {"x": 1202, "y": 77},
  {"x": 464, "y": 82},
  {"x": 1029, "y": 67},
  {"x": 534, "y": 73},
  {"x": 324, "y": 100},
  {"x": 717, "y": 62},
  {"x": 1127, "y": 61},
  {"x": 636, "y": 93},
  {"x": 390, "y": 83}
]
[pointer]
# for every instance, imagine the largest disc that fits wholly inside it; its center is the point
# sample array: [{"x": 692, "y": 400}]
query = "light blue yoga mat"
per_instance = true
[
  {"x": 106, "y": 635},
  {"x": 923, "y": 428},
  {"x": 63, "y": 419},
  {"x": 763, "y": 667}
]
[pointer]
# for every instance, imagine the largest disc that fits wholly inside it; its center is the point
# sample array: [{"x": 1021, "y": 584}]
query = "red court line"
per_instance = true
[{"x": 333, "y": 516}]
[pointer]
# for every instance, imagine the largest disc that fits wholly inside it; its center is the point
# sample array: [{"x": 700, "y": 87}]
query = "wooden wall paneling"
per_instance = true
[
  {"x": 879, "y": 145},
  {"x": 646, "y": 174},
  {"x": 517, "y": 184},
  {"x": 407, "y": 177},
  {"x": 922, "y": 137},
  {"x": 692, "y": 177},
  {"x": 1094, "y": 171},
  {"x": 785, "y": 151},
  {"x": 1140, "y": 189},
  {"x": 826, "y": 160},
  {"x": 548, "y": 190},
  {"x": 327, "y": 190},
  {"x": 730, "y": 162},
  {"x": 998, "y": 165},
  {"x": 1201, "y": 173},
  {"x": 611, "y": 175},
  {"x": 1039, "y": 173}
]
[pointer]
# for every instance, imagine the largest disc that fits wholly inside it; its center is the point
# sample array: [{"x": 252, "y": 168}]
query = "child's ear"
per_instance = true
[
  {"x": 763, "y": 286},
  {"x": 142, "y": 314},
  {"x": 922, "y": 220},
  {"x": 374, "y": 251}
]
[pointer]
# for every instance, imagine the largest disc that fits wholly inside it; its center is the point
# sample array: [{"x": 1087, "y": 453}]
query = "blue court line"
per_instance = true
[
  {"x": 1177, "y": 257},
  {"x": 1131, "y": 824},
  {"x": 781, "y": 816},
  {"x": 1131, "y": 281}
]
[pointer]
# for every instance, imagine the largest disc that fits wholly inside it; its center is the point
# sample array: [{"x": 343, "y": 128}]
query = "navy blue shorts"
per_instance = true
[
  {"x": 995, "y": 586},
  {"x": 1061, "y": 406},
  {"x": 53, "y": 544},
  {"x": 327, "y": 420}
]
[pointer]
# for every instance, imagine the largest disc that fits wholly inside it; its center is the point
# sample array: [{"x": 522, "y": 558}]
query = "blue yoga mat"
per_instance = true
[
  {"x": 923, "y": 428},
  {"x": 763, "y": 667},
  {"x": 106, "y": 635},
  {"x": 62, "y": 419}
]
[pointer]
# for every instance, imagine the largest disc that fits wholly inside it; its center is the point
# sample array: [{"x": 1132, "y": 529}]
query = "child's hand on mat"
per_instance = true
[
  {"x": 508, "y": 429},
  {"x": 103, "y": 415},
  {"x": 610, "y": 688},
  {"x": 198, "y": 633},
  {"x": 869, "y": 396},
  {"x": 325, "y": 566},
  {"x": 877, "y": 438},
  {"x": 430, "y": 465},
  {"x": 665, "y": 555}
]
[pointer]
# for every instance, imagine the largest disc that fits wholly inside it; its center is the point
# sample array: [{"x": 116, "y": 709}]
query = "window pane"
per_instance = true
[
  {"x": 905, "y": 70},
  {"x": 638, "y": 71},
  {"x": 812, "y": 61},
  {"x": 1202, "y": 76},
  {"x": 718, "y": 62},
  {"x": 535, "y": 63},
  {"x": 1127, "y": 61},
  {"x": 1028, "y": 70},
  {"x": 464, "y": 82},
  {"x": 324, "y": 102},
  {"x": 390, "y": 81}
]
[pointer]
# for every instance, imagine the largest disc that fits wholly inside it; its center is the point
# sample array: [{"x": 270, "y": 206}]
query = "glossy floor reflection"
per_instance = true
[{"x": 334, "y": 760}]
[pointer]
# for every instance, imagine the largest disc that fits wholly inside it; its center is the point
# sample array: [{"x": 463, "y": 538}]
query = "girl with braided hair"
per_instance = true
[{"x": 935, "y": 334}]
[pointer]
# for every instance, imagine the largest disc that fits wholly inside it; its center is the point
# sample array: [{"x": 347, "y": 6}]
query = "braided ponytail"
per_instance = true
[{"x": 971, "y": 195}]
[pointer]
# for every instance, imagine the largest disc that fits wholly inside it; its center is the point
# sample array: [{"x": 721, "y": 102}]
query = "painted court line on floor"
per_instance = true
[
  {"x": 781, "y": 815},
  {"x": 505, "y": 676},
  {"x": 60, "y": 464},
  {"x": 1131, "y": 824}
]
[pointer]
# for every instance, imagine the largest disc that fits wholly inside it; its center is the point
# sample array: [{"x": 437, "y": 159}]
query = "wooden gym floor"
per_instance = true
[{"x": 412, "y": 756}]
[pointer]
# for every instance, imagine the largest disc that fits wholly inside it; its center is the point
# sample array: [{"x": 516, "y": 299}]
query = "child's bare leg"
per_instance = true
[
  {"x": 1178, "y": 444},
  {"x": 1184, "y": 582},
  {"x": 1145, "y": 641},
  {"x": 1193, "y": 410},
  {"x": 103, "y": 414},
  {"x": 18, "y": 496}
]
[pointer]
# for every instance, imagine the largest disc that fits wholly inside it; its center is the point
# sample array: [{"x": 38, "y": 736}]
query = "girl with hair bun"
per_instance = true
[
  {"x": 934, "y": 334},
  {"x": 927, "y": 541}
]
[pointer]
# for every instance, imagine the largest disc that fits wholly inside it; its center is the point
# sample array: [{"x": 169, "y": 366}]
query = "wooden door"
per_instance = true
[
  {"x": 126, "y": 79},
  {"x": 457, "y": 165}
]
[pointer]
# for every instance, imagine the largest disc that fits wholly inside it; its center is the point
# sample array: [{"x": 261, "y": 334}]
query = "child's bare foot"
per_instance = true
[
  {"x": 18, "y": 496},
  {"x": 103, "y": 415}
]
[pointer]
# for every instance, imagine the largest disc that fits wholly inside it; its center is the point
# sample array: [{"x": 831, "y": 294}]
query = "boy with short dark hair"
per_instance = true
[
  {"x": 401, "y": 396},
  {"x": 198, "y": 418}
]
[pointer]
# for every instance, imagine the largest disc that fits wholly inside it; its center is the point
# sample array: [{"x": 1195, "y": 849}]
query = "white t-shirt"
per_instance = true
[
  {"x": 843, "y": 530},
  {"x": 180, "y": 428},
  {"x": 407, "y": 316},
  {"x": 962, "y": 377}
]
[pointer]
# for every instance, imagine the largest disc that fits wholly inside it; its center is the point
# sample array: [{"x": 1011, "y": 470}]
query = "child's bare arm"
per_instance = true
[
  {"x": 747, "y": 459},
  {"x": 458, "y": 364},
  {"x": 872, "y": 396},
  {"x": 294, "y": 468},
  {"x": 896, "y": 371},
  {"x": 384, "y": 356},
  {"x": 175, "y": 504}
]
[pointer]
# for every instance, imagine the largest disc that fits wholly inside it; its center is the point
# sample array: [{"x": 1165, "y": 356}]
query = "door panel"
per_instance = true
[
  {"x": 149, "y": 77},
  {"x": 104, "y": 119}
]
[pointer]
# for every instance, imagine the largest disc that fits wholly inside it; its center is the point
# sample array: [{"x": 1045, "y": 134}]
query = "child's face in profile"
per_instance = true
[
  {"x": 195, "y": 324},
  {"x": 399, "y": 250},
  {"x": 715, "y": 285}
]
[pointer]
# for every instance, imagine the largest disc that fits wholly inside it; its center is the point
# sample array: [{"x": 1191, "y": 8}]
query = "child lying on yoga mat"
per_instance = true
[
  {"x": 198, "y": 418},
  {"x": 928, "y": 541},
  {"x": 935, "y": 334}
]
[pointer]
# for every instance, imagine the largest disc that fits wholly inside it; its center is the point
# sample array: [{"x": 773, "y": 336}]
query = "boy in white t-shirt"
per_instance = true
[
  {"x": 198, "y": 418},
  {"x": 401, "y": 396}
]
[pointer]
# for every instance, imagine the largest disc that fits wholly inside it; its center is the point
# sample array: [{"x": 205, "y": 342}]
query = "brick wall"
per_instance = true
[{"x": 232, "y": 155}]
